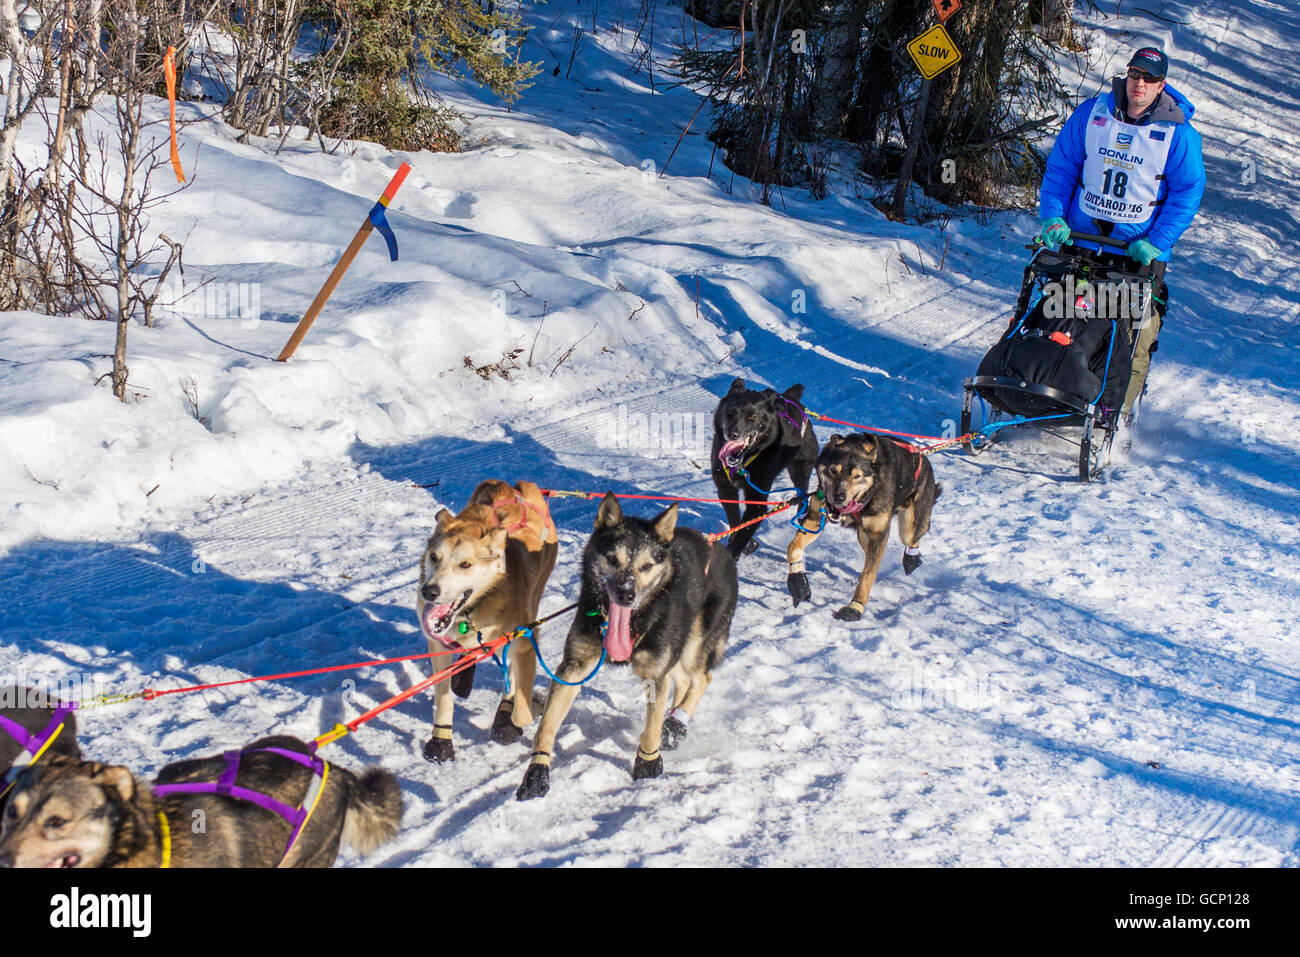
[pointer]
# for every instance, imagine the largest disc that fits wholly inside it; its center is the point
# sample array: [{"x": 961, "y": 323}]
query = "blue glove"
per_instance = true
[
  {"x": 1142, "y": 251},
  {"x": 1055, "y": 231}
]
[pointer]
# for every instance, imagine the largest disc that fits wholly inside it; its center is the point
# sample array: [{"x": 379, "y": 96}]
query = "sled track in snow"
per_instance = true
[{"x": 296, "y": 507}]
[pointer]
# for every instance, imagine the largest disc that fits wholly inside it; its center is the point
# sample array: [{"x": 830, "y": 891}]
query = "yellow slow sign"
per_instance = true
[{"x": 933, "y": 51}]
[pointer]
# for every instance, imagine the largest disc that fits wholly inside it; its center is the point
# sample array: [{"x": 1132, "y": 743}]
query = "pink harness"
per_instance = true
[
  {"x": 520, "y": 500},
  {"x": 915, "y": 450}
]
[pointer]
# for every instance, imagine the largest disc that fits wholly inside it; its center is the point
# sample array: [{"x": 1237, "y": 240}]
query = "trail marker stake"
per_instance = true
[{"x": 373, "y": 219}]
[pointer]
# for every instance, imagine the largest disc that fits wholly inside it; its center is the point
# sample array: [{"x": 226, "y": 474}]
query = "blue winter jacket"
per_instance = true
[{"x": 1180, "y": 191}]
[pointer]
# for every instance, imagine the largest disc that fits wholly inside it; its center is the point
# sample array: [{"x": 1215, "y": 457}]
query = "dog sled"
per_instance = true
[{"x": 1063, "y": 365}]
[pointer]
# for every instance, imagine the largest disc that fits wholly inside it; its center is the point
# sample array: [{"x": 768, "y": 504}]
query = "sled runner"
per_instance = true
[{"x": 1066, "y": 358}]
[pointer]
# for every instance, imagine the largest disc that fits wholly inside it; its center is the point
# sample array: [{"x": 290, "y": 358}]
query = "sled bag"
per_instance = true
[{"x": 1068, "y": 354}]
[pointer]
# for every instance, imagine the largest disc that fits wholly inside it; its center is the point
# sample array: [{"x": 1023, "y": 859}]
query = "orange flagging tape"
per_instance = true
[{"x": 169, "y": 68}]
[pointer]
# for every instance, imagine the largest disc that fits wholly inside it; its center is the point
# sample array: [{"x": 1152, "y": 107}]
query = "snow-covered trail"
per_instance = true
[{"x": 1077, "y": 674}]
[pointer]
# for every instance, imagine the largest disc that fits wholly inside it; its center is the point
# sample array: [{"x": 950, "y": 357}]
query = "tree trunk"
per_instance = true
[
  {"x": 968, "y": 97},
  {"x": 909, "y": 158},
  {"x": 130, "y": 107},
  {"x": 883, "y": 69},
  {"x": 16, "y": 48},
  {"x": 831, "y": 96}
]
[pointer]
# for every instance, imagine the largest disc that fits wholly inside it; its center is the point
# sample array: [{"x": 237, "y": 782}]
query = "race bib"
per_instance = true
[{"x": 1122, "y": 167}]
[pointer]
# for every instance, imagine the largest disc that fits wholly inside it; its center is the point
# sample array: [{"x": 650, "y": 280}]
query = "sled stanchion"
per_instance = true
[
  {"x": 1085, "y": 450},
  {"x": 374, "y": 218}
]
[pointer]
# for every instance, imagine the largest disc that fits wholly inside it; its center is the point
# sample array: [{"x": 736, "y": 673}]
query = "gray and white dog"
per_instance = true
[{"x": 654, "y": 596}]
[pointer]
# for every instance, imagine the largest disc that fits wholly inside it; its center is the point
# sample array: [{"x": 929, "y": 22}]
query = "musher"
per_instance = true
[{"x": 1128, "y": 165}]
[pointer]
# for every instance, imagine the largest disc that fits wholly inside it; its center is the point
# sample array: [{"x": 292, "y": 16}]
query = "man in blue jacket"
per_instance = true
[{"x": 1128, "y": 166}]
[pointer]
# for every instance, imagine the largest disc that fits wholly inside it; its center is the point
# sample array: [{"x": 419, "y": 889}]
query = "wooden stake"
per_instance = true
[{"x": 340, "y": 268}]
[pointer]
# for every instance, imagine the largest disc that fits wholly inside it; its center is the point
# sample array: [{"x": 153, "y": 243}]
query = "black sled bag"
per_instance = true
[{"x": 1068, "y": 354}]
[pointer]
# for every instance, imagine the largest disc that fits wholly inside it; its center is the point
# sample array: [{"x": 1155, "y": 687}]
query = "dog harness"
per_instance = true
[
  {"x": 33, "y": 745},
  {"x": 803, "y": 414},
  {"x": 915, "y": 450},
  {"x": 517, "y": 499},
  {"x": 165, "y": 830},
  {"x": 297, "y": 818}
]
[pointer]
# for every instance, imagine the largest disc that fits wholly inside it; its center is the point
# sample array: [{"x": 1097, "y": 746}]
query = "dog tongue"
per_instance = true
[
  {"x": 432, "y": 615},
  {"x": 618, "y": 632},
  {"x": 731, "y": 451},
  {"x": 852, "y": 508}
]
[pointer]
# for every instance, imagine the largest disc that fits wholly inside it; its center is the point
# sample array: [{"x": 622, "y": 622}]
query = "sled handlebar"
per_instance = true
[
  {"x": 1098, "y": 239},
  {"x": 1037, "y": 242}
]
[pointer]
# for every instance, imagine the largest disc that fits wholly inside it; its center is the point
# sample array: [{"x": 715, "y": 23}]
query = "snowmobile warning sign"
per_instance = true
[
  {"x": 933, "y": 51},
  {"x": 946, "y": 8}
]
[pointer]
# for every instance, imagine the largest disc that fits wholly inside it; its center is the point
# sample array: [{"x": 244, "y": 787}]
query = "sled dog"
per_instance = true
[
  {"x": 658, "y": 597},
  {"x": 483, "y": 573},
  {"x": 865, "y": 480},
  {"x": 763, "y": 432},
  {"x": 234, "y": 810}
]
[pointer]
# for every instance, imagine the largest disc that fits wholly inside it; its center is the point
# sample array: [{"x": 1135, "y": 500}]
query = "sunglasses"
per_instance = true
[{"x": 1144, "y": 77}]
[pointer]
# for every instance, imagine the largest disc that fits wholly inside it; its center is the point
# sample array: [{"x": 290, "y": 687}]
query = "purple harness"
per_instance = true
[
  {"x": 33, "y": 745},
  {"x": 803, "y": 415},
  {"x": 226, "y": 786}
]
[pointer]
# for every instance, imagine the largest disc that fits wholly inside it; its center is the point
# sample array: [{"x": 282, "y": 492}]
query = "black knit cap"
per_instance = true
[{"x": 1150, "y": 60}]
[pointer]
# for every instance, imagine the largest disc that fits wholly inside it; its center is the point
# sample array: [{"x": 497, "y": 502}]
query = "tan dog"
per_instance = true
[{"x": 483, "y": 574}]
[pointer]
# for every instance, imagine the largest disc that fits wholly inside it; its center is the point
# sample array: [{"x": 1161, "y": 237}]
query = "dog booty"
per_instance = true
[
  {"x": 674, "y": 730},
  {"x": 911, "y": 560}
]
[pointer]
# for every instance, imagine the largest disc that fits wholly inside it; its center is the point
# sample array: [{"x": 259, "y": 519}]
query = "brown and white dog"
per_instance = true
[
  {"x": 483, "y": 573},
  {"x": 65, "y": 813},
  {"x": 866, "y": 480}
]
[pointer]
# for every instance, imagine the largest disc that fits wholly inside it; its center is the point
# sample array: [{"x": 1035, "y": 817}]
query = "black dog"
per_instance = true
[
  {"x": 665, "y": 596},
  {"x": 764, "y": 433},
  {"x": 866, "y": 480}
]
